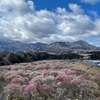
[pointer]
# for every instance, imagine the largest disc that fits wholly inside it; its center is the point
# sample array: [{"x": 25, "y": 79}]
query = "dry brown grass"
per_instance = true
[
  {"x": 84, "y": 67},
  {"x": 80, "y": 66},
  {"x": 94, "y": 70},
  {"x": 85, "y": 55}
]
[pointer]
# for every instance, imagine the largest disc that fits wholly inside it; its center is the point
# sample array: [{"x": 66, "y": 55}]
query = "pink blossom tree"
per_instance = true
[
  {"x": 48, "y": 80},
  {"x": 29, "y": 91},
  {"x": 17, "y": 81},
  {"x": 45, "y": 91},
  {"x": 97, "y": 78},
  {"x": 71, "y": 71},
  {"x": 83, "y": 87},
  {"x": 14, "y": 91}
]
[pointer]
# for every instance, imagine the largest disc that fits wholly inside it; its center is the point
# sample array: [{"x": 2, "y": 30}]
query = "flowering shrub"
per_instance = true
[
  {"x": 30, "y": 89},
  {"x": 14, "y": 91},
  {"x": 45, "y": 90},
  {"x": 49, "y": 80},
  {"x": 66, "y": 80},
  {"x": 18, "y": 81},
  {"x": 71, "y": 71},
  {"x": 97, "y": 77}
]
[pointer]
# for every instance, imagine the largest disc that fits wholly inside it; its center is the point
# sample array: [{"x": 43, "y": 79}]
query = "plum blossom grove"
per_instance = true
[{"x": 49, "y": 80}]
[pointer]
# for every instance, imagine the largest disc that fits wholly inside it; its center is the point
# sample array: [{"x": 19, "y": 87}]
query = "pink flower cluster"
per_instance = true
[
  {"x": 48, "y": 80},
  {"x": 31, "y": 88},
  {"x": 18, "y": 81}
]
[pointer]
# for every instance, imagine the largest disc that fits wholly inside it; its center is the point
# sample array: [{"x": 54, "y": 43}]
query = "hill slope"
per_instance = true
[
  {"x": 62, "y": 47},
  {"x": 65, "y": 46}
]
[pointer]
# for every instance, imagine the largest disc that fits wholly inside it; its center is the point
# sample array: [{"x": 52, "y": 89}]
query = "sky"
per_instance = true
[{"x": 50, "y": 21}]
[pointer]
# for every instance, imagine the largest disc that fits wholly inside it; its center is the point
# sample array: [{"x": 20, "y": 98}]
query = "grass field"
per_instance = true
[{"x": 88, "y": 68}]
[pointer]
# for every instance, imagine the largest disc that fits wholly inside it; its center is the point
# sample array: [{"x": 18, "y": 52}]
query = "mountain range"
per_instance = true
[{"x": 58, "y": 47}]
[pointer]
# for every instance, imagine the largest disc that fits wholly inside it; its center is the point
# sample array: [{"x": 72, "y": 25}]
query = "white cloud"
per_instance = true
[
  {"x": 94, "y": 13},
  {"x": 20, "y": 21},
  {"x": 16, "y": 6},
  {"x": 91, "y": 1},
  {"x": 30, "y": 4},
  {"x": 76, "y": 9}
]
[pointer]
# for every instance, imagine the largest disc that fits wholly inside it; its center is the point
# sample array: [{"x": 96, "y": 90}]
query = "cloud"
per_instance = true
[
  {"x": 90, "y": 1},
  {"x": 76, "y": 9},
  {"x": 94, "y": 13},
  {"x": 20, "y": 21},
  {"x": 19, "y": 7}
]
